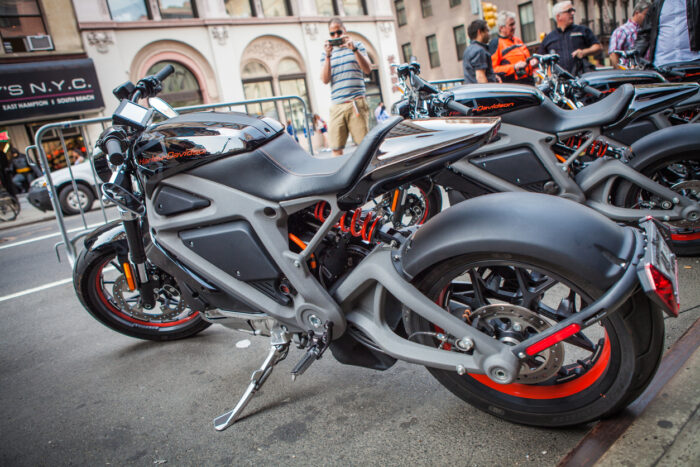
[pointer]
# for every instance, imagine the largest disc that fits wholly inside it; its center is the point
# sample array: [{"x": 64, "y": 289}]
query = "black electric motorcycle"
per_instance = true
[
  {"x": 571, "y": 93},
  {"x": 533, "y": 308},
  {"x": 572, "y": 153}
]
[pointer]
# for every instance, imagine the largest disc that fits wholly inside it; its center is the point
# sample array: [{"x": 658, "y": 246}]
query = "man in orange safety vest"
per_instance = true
[{"x": 510, "y": 57}]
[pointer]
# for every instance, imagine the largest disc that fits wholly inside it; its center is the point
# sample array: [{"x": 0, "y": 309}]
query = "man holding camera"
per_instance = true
[{"x": 344, "y": 64}]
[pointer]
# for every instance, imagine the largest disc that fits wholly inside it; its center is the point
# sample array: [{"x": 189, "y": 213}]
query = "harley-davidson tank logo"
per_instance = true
[
  {"x": 484, "y": 108},
  {"x": 173, "y": 155}
]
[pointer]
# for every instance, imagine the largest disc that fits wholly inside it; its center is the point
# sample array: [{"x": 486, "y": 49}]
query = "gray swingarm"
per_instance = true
[{"x": 362, "y": 295}]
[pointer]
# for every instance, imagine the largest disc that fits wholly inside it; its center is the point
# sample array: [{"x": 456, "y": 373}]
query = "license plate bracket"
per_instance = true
[{"x": 659, "y": 260}]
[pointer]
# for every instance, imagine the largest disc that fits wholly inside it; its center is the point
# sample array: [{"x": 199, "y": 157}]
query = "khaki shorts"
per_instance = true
[{"x": 345, "y": 119}]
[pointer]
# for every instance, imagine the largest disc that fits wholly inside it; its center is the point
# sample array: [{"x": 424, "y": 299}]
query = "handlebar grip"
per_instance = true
[
  {"x": 676, "y": 73},
  {"x": 165, "y": 72},
  {"x": 114, "y": 151},
  {"x": 592, "y": 91},
  {"x": 457, "y": 107}
]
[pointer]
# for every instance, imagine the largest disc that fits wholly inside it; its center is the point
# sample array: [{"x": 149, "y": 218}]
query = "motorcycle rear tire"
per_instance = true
[
  {"x": 635, "y": 336},
  {"x": 627, "y": 195},
  {"x": 92, "y": 294}
]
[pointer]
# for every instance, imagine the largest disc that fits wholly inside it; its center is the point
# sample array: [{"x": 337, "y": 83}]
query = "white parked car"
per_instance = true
[{"x": 69, "y": 199}]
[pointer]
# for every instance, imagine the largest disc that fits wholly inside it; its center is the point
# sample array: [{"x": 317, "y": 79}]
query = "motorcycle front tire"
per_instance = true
[{"x": 95, "y": 296}]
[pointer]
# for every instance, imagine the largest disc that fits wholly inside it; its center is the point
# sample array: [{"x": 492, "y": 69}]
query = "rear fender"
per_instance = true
[
  {"x": 663, "y": 143},
  {"x": 567, "y": 234},
  {"x": 649, "y": 99}
]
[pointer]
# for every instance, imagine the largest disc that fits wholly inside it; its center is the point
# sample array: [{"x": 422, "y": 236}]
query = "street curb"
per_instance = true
[{"x": 606, "y": 432}]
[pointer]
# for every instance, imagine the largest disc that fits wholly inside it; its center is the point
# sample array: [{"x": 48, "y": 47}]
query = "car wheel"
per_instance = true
[{"x": 71, "y": 201}]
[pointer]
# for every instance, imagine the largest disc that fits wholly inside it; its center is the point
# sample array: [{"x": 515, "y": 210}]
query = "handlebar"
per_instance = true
[
  {"x": 114, "y": 151},
  {"x": 113, "y": 144},
  {"x": 457, "y": 107},
  {"x": 592, "y": 91},
  {"x": 165, "y": 72},
  {"x": 546, "y": 59}
]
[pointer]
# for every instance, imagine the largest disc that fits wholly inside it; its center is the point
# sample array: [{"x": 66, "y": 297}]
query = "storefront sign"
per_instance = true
[{"x": 47, "y": 89}]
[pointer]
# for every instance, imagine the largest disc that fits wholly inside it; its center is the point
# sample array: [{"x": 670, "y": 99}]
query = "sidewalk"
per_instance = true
[
  {"x": 662, "y": 427},
  {"x": 28, "y": 214}
]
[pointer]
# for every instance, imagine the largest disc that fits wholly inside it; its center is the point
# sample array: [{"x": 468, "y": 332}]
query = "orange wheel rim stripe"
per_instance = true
[
  {"x": 569, "y": 388},
  {"x": 114, "y": 310},
  {"x": 686, "y": 237}
]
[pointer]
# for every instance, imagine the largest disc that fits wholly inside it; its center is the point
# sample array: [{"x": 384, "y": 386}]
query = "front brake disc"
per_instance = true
[{"x": 169, "y": 302}]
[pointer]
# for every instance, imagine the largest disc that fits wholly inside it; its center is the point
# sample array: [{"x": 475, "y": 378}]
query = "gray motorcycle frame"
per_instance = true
[
  {"x": 359, "y": 299},
  {"x": 593, "y": 186}
]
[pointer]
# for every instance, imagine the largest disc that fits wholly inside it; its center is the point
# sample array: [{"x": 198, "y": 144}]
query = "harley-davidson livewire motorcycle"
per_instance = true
[
  {"x": 531, "y": 307},
  {"x": 571, "y": 153},
  {"x": 571, "y": 93}
]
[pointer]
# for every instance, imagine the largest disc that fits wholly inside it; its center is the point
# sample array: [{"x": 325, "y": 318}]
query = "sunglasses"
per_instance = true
[
  {"x": 336, "y": 33},
  {"x": 571, "y": 11}
]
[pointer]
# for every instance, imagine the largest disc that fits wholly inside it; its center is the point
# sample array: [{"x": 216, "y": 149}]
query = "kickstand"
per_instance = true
[{"x": 278, "y": 352}]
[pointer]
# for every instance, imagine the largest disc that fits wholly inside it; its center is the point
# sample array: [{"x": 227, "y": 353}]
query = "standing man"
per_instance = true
[
  {"x": 572, "y": 42},
  {"x": 623, "y": 37},
  {"x": 476, "y": 61},
  {"x": 511, "y": 59},
  {"x": 344, "y": 64},
  {"x": 670, "y": 32}
]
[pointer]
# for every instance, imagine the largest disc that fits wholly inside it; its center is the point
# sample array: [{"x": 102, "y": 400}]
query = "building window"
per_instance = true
[
  {"x": 426, "y": 8},
  {"x": 354, "y": 7},
  {"x": 455, "y": 3},
  {"x": 460, "y": 41},
  {"x": 19, "y": 19},
  {"x": 527, "y": 22},
  {"x": 181, "y": 88},
  {"x": 326, "y": 8},
  {"x": 293, "y": 83},
  {"x": 400, "y": 12},
  {"x": 128, "y": 10},
  {"x": 257, "y": 84},
  {"x": 239, "y": 8},
  {"x": 407, "y": 52},
  {"x": 175, "y": 9},
  {"x": 433, "y": 51},
  {"x": 276, "y": 8}
]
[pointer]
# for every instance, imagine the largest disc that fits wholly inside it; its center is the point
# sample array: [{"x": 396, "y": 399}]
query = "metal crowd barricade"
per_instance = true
[
  {"x": 87, "y": 128},
  {"x": 444, "y": 84}
]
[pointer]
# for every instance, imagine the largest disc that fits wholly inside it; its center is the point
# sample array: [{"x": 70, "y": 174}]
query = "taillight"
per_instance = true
[
  {"x": 555, "y": 338},
  {"x": 663, "y": 288}
]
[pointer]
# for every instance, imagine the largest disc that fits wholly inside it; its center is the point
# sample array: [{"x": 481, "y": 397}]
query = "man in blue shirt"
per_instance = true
[
  {"x": 476, "y": 61},
  {"x": 344, "y": 64},
  {"x": 572, "y": 42}
]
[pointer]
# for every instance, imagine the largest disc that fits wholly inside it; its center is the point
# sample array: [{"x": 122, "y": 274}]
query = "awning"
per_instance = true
[{"x": 41, "y": 90}]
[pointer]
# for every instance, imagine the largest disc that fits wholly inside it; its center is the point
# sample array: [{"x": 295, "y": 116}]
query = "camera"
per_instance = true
[{"x": 336, "y": 42}]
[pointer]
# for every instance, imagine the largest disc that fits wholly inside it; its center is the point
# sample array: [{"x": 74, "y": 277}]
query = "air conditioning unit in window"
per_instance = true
[{"x": 35, "y": 43}]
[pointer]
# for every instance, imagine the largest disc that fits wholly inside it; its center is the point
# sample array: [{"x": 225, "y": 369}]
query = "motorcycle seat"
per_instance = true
[
  {"x": 281, "y": 169},
  {"x": 550, "y": 118}
]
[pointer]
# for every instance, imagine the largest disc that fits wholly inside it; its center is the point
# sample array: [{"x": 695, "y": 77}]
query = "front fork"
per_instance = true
[
  {"x": 131, "y": 211},
  {"x": 143, "y": 281}
]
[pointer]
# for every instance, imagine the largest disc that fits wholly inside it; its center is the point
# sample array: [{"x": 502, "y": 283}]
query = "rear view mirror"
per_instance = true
[{"x": 162, "y": 107}]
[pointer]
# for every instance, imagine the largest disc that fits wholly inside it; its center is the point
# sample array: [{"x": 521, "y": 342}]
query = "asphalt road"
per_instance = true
[{"x": 74, "y": 392}]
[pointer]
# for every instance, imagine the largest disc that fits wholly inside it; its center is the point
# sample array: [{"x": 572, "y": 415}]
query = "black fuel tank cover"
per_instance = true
[{"x": 170, "y": 201}]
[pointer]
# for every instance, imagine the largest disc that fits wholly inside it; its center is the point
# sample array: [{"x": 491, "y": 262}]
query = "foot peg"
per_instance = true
[
  {"x": 278, "y": 352},
  {"x": 318, "y": 343}
]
